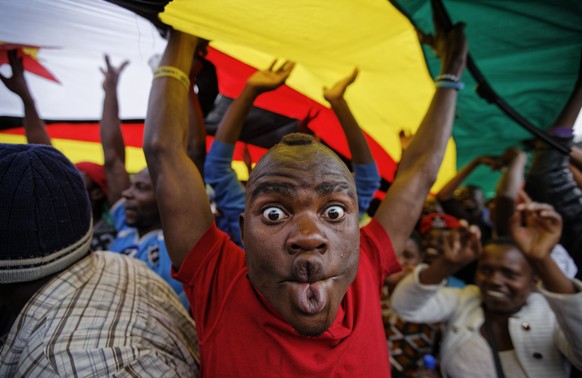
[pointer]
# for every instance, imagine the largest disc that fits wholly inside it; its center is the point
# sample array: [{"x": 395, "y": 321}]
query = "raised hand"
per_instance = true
[
  {"x": 512, "y": 154},
  {"x": 302, "y": 126},
  {"x": 462, "y": 245},
  {"x": 16, "y": 83},
  {"x": 493, "y": 162},
  {"x": 271, "y": 78},
  {"x": 111, "y": 74},
  {"x": 338, "y": 90},
  {"x": 450, "y": 46},
  {"x": 536, "y": 228}
]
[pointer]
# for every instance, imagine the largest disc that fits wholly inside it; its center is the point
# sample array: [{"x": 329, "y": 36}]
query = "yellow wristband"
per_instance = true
[{"x": 173, "y": 72}]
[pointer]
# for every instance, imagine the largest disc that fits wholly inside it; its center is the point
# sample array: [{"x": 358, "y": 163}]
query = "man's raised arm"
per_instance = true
[
  {"x": 218, "y": 172},
  {"x": 420, "y": 162},
  {"x": 34, "y": 126},
  {"x": 180, "y": 191},
  {"x": 363, "y": 164},
  {"x": 111, "y": 136}
]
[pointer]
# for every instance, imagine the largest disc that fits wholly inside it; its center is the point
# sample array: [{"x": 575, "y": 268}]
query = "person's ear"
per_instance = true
[{"x": 241, "y": 223}]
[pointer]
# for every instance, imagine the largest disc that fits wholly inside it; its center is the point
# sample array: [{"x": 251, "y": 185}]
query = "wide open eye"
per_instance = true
[
  {"x": 334, "y": 212},
  {"x": 273, "y": 214}
]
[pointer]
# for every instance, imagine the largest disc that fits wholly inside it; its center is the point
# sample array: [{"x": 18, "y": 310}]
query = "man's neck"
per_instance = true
[{"x": 145, "y": 230}]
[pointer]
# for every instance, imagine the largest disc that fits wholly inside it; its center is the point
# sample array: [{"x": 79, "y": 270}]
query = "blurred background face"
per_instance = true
[
  {"x": 433, "y": 244},
  {"x": 411, "y": 255},
  {"x": 504, "y": 277},
  {"x": 472, "y": 199},
  {"x": 431, "y": 205}
]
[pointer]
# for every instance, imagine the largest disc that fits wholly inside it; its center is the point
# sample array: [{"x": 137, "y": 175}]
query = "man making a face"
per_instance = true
[{"x": 304, "y": 296}]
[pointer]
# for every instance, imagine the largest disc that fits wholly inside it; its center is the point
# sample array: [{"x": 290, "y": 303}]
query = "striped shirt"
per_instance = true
[{"x": 106, "y": 316}]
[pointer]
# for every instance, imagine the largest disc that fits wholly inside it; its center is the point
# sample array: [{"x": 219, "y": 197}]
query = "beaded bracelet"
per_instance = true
[
  {"x": 173, "y": 72},
  {"x": 458, "y": 85}
]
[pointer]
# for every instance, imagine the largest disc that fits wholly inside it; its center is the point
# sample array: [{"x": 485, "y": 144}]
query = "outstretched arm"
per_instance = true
[
  {"x": 260, "y": 82},
  {"x": 461, "y": 247},
  {"x": 508, "y": 187},
  {"x": 536, "y": 229},
  {"x": 180, "y": 192},
  {"x": 218, "y": 172},
  {"x": 34, "y": 127},
  {"x": 367, "y": 176},
  {"x": 420, "y": 163},
  {"x": 421, "y": 297},
  {"x": 111, "y": 137},
  {"x": 447, "y": 192},
  {"x": 357, "y": 142},
  {"x": 567, "y": 117},
  {"x": 549, "y": 180}
]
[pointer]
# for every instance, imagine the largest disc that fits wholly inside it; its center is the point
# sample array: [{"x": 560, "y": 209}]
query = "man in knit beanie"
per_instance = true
[{"x": 67, "y": 311}]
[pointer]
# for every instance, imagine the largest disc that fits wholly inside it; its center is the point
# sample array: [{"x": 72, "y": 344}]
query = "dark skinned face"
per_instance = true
[
  {"x": 411, "y": 255},
  {"x": 301, "y": 234},
  {"x": 433, "y": 244},
  {"x": 504, "y": 277},
  {"x": 141, "y": 208},
  {"x": 471, "y": 199}
]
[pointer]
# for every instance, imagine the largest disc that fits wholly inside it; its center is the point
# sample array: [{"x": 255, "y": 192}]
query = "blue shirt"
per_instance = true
[
  {"x": 229, "y": 193},
  {"x": 367, "y": 182},
  {"x": 150, "y": 248}
]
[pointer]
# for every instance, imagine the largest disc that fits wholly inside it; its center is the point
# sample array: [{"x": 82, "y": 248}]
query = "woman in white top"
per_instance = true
[{"x": 504, "y": 325}]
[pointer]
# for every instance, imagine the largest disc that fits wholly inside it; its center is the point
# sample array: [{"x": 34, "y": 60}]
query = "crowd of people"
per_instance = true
[{"x": 180, "y": 269}]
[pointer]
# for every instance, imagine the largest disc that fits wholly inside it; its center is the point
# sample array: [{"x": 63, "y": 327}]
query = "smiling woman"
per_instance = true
[
  {"x": 504, "y": 277},
  {"x": 503, "y": 324}
]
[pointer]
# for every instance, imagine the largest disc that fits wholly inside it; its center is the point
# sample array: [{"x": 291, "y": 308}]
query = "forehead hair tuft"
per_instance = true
[
  {"x": 294, "y": 147},
  {"x": 297, "y": 139}
]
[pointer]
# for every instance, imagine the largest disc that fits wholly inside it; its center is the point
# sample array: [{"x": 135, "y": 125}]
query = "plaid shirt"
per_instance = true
[{"x": 107, "y": 315}]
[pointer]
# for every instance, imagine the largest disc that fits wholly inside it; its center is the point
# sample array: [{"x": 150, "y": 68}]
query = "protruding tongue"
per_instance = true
[{"x": 311, "y": 298}]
